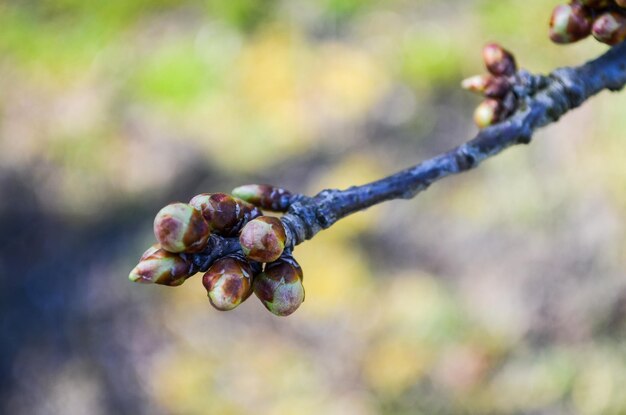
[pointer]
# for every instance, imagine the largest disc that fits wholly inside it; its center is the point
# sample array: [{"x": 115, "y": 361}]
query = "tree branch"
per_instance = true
[{"x": 542, "y": 101}]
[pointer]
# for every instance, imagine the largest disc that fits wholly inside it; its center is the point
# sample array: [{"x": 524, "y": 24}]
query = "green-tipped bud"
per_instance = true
[
  {"x": 228, "y": 282},
  {"x": 180, "y": 227},
  {"x": 569, "y": 23},
  {"x": 280, "y": 287},
  {"x": 489, "y": 112},
  {"x": 263, "y": 239},
  {"x": 610, "y": 28},
  {"x": 499, "y": 61},
  {"x": 476, "y": 83},
  {"x": 159, "y": 266},
  {"x": 487, "y": 85},
  {"x": 264, "y": 196}
]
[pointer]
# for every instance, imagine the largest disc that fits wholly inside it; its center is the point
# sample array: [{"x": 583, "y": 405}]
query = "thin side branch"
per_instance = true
[{"x": 543, "y": 100}]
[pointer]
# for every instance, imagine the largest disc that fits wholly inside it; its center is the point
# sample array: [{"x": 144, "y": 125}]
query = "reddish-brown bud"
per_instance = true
[
  {"x": 159, "y": 266},
  {"x": 228, "y": 282},
  {"x": 180, "y": 227},
  {"x": 225, "y": 214},
  {"x": 499, "y": 61},
  {"x": 487, "y": 85},
  {"x": 489, "y": 112},
  {"x": 569, "y": 23},
  {"x": 264, "y": 196},
  {"x": 263, "y": 239},
  {"x": 621, "y": 3},
  {"x": 220, "y": 210},
  {"x": 610, "y": 28},
  {"x": 280, "y": 287}
]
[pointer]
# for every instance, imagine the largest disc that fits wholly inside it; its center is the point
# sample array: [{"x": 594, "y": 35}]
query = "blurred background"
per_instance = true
[{"x": 501, "y": 291}]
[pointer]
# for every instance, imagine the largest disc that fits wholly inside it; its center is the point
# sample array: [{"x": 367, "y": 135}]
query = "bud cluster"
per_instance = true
[
  {"x": 496, "y": 86},
  {"x": 605, "y": 20},
  {"x": 262, "y": 266}
]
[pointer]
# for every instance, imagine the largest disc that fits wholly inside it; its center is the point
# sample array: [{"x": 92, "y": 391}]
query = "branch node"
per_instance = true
[
  {"x": 571, "y": 87},
  {"x": 295, "y": 230},
  {"x": 466, "y": 158}
]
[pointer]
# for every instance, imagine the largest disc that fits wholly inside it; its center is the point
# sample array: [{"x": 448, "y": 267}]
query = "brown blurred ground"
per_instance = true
[{"x": 502, "y": 291}]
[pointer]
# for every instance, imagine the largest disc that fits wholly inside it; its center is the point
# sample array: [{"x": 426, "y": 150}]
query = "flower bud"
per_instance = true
[
  {"x": 621, "y": 3},
  {"x": 264, "y": 196},
  {"x": 180, "y": 228},
  {"x": 225, "y": 214},
  {"x": 228, "y": 282},
  {"x": 489, "y": 112},
  {"x": 263, "y": 239},
  {"x": 499, "y": 61},
  {"x": 220, "y": 210},
  {"x": 488, "y": 85},
  {"x": 610, "y": 28},
  {"x": 569, "y": 23},
  {"x": 159, "y": 266},
  {"x": 280, "y": 287}
]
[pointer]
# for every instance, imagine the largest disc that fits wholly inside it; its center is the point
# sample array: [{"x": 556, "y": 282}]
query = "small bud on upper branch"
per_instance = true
[
  {"x": 499, "y": 61},
  {"x": 496, "y": 86},
  {"x": 570, "y": 23},
  {"x": 604, "y": 19},
  {"x": 610, "y": 28}
]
